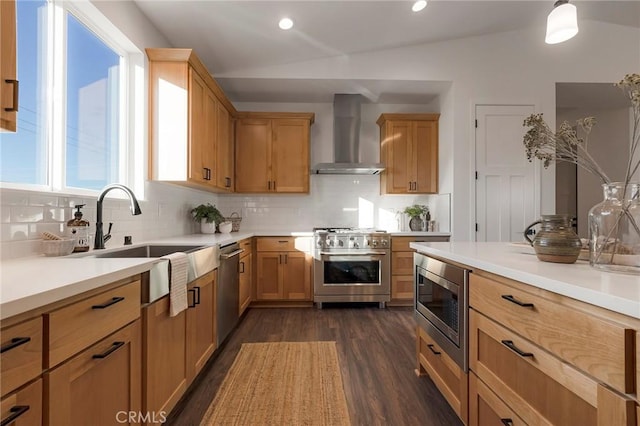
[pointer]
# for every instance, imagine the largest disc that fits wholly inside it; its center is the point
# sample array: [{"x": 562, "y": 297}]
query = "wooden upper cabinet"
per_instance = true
[
  {"x": 272, "y": 152},
  {"x": 8, "y": 73},
  {"x": 409, "y": 151},
  {"x": 189, "y": 123}
]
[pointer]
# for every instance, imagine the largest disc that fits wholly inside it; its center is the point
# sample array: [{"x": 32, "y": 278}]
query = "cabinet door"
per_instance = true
[
  {"x": 485, "y": 408},
  {"x": 8, "y": 119},
  {"x": 245, "y": 283},
  {"x": 21, "y": 357},
  {"x": 539, "y": 387},
  {"x": 269, "y": 278},
  {"x": 402, "y": 287},
  {"x": 253, "y": 155},
  {"x": 96, "y": 385},
  {"x": 397, "y": 143},
  {"x": 296, "y": 275},
  {"x": 425, "y": 156},
  {"x": 290, "y": 155},
  {"x": 210, "y": 141},
  {"x": 198, "y": 155},
  {"x": 164, "y": 375},
  {"x": 224, "y": 151},
  {"x": 24, "y": 407},
  {"x": 201, "y": 331}
]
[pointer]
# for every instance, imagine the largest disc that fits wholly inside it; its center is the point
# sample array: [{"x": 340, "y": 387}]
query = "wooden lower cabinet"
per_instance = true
[
  {"x": 245, "y": 283},
  {"x": 402, "y": 285},
  {"x": 23, "y": 407},
  {"x": 443, "y": 371},
  {"x": 164, "y": 375},
  {"x": 283, "y": 275},
  {"x": 98, "y": 385},
  {"x": 201, "y": 324},
  {"x": 486, "y": 409},
  {"x": 21, "y": 356}
]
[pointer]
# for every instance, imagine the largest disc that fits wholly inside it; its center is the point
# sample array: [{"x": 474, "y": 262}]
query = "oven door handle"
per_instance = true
[{"x": 369, "y": 253}]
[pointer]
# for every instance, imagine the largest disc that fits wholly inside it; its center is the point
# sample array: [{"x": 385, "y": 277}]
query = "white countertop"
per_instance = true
[
  {"x": 419, "y": 234},
  {"x": 31, "y": 282},
  {"x": 614, "y": 291}
]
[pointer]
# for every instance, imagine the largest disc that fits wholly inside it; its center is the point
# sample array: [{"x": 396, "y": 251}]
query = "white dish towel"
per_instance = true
[{"x": 178, "y": 265}]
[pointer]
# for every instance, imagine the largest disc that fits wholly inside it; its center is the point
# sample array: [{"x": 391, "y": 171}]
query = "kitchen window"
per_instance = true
[{"x": 80, "y": 115}]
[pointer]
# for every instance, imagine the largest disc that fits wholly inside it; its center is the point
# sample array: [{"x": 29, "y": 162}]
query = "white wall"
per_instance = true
[
  {"x": 511, "y": 67},
  {"x": 608, "y": 144}
]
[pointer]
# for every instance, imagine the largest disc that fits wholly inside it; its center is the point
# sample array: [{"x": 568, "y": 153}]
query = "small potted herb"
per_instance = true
[
  {"x": 209, "y": 217},
  {"x": 416, "y": 212}
]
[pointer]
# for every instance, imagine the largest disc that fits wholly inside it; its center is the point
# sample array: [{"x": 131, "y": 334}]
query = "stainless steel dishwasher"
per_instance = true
[{"x": 227, "y": 297}]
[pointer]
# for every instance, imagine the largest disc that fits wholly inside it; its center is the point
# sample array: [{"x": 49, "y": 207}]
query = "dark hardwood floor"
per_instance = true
[{"x": 376, "y": 348}]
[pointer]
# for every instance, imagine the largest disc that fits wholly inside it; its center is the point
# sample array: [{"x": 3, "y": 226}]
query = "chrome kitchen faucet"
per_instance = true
[{"x": 135, "y": 210}]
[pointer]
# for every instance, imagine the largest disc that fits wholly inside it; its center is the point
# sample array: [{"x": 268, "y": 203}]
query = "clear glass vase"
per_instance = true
[{"x": 614, "y": 229}]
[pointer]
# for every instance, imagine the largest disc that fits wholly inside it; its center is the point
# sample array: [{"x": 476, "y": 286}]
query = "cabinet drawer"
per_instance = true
[
  {"x": 402, "y": 243},
  {"x": 83, "y": 323},
  {"x": 23, "y": 406},
  {"x": 444, "y": 372},
  {"x": 539, "y": 387},
  {"x": 402, "y": 287},
  {"x": 485, "y": 408},
  {"x": 402, "y": 263},
  {"x": 21, "y": 357},
  {"x": 599, "y": 347},
  {"x": 275, "y": 244},
  {"x": 246, "y": 246}
]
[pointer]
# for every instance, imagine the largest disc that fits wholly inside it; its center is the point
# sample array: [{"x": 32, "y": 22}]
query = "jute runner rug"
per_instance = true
[{"x": 281, "y": 383}]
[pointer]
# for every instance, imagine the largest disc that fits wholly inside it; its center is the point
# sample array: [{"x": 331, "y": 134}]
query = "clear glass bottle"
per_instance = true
[{"x": 614, "y": 229}]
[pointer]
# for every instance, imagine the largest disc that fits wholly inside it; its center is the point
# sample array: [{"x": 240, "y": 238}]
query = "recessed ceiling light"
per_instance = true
[
  {"x": 419, "y": 5},
  {"x": 285, "y": 24}
]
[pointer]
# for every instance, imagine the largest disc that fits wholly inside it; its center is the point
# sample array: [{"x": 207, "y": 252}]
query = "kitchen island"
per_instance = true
[{"x": 547, "y": 343}]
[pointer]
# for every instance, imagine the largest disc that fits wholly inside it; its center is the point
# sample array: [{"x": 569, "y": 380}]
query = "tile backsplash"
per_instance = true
[{"x": 335, "y": 200}]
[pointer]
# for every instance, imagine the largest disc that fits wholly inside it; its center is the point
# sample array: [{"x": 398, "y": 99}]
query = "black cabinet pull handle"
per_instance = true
[
  {"x": 16, "y": 87},
  {"x": 197, "y": 296},
  {"x": 16, "y": 412},
  {"x": 269, "y": 185},
  {"x": 192, "y": 290},
  {"x": 513, "y": 347},
  {"x": 242, "y": 270},
  {"x": 227, "y": 182},
  {"x": 109, "y": 351},
  {"x": 433, "y": 350},
  {"x": 286, "y": 259},
  {"x": 512, "y": 299},
  {"x": 113, "y": 301},
  {"x": 274, "y": 185},
  {"x": 15, "y": 342},
  {"x": 507, "y": 422}
]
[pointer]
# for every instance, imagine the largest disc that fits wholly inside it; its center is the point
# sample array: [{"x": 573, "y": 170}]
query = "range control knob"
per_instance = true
[
  {"x": 375, "y": 243},
  {"x": 340, "y": 243},
  {"x": 384, "y": 242},
  {"x": 330, "y": 243},
  {"x": 355, "y": 244}
]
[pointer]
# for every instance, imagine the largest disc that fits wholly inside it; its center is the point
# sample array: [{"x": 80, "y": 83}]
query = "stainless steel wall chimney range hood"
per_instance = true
[{"x": 346, "y": 140}]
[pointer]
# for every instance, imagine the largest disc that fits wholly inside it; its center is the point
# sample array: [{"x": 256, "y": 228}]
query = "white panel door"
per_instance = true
[{"x": 505, "y": 184}]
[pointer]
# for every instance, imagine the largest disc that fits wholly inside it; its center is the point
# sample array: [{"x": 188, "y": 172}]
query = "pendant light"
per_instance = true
[{"x": 562, "y": 22}]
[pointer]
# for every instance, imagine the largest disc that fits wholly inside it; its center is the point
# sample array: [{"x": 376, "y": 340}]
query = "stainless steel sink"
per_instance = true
[
  {"x": 201, "y": 260},
  {"x": 149, "y": 250}
]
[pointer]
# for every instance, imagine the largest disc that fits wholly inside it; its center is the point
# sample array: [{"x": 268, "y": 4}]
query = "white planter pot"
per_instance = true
[
  {"x": 225, "y": 227},
  {"x": 207, "y": 228}
]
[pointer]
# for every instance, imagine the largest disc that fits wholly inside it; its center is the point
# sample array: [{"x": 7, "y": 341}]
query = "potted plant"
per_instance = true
[
  {"x": 416, "y": 212},
  {"x": 209, "y": 217}
]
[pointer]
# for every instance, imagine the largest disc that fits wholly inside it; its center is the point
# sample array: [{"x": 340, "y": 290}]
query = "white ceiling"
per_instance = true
[{"x": 234, "y": 35}]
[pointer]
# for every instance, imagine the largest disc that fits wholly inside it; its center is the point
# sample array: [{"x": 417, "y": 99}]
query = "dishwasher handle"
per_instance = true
[{"x": 232, "y": 254}]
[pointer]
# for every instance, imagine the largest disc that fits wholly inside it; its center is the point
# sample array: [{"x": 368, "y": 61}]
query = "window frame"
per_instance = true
[{"x": 131, "y": 151}]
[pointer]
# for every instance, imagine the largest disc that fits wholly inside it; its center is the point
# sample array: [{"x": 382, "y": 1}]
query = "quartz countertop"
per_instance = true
[
  {"x": 614, "y": 291},
  {"x": 32, "y": 282},
  {"x": 419, "y": 234}
]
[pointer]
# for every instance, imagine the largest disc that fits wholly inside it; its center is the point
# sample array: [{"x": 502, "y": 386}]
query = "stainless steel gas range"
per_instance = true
[{"x": 351, "y": 265}]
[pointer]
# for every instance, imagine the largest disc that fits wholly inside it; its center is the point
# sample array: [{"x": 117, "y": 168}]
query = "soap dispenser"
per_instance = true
[{"x": 78, "y": 229}]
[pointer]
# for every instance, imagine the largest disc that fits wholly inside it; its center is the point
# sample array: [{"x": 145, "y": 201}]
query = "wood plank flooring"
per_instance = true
[{"x": 376, "y": 349}]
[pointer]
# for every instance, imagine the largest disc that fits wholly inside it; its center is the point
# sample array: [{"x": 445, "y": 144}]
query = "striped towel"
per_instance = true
[{"x": 178, "y": 266}]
